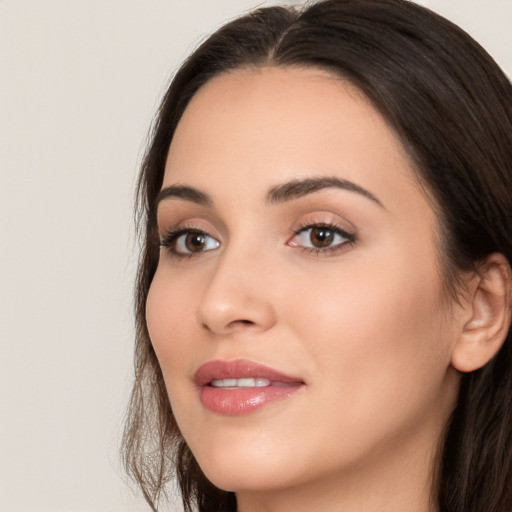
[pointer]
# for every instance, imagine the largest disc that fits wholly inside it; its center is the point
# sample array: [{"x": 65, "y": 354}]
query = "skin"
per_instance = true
[{"x": 366, "y": 325}]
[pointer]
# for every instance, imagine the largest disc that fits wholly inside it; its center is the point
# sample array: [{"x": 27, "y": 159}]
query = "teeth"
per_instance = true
[{"x": 258, "y": 382}]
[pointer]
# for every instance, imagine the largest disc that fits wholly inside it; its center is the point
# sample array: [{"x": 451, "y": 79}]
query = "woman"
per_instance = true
[{"x": 324, "y": 296}]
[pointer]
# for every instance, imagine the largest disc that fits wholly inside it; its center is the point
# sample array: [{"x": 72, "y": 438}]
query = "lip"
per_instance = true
[{"x": 237, "y": 401}]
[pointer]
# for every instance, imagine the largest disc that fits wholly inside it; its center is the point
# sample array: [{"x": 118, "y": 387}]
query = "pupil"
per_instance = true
[
  {"x": 321, "y": 237},
  {"x": 195, "y": 242}
]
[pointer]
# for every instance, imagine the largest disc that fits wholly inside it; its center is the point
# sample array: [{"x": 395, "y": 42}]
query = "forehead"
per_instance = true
[{"x": 268, "y": 125}]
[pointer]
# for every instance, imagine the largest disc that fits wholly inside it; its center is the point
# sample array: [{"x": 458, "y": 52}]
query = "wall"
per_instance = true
[{"x": 79, "y": 82}]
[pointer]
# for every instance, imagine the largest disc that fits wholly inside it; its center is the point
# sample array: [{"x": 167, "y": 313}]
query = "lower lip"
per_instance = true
[{"x": 238, "y": 401}]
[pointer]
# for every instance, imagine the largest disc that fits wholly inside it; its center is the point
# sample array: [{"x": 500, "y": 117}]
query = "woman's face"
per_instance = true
[{"x": 297, "y": 310}]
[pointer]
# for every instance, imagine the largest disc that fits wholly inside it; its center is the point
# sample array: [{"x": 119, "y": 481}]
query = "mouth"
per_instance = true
[
  {"x": 241, "y": 373},
  {"x": 239, "y": 387},
  {"x": 247, "y": 382}
]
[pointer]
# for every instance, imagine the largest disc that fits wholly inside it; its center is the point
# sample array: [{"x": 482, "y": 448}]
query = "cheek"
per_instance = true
[
  {"x": 378, "y": 334},
  {"x": 158, "y": 310},
  {"x": 165, "y": 307},
  {"x": 168, "y": 310}
]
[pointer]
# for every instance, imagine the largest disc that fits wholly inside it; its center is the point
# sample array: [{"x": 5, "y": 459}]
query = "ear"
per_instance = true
[{"x": 488, "y": 315}]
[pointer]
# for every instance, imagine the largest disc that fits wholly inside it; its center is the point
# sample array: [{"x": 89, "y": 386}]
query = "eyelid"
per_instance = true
[
  {"x": 170, "y": 236},
  {"x": 349, "y": 235},
  {"x": 327, "y": 219},
  {"x": 184, "y": 222}
]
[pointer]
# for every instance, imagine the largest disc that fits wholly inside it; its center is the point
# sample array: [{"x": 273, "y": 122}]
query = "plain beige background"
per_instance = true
[{"x": 79, "y": 83}]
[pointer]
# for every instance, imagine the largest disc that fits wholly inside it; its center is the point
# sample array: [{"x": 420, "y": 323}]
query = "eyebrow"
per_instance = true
[
  {"x": 301, "y": 187},
  {"x": 279, "y": 194},
  {"x": 183, "y": 192}
]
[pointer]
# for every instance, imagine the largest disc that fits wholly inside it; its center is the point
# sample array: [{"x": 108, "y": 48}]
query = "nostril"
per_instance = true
[
  {"x": 241, "y": 324},
  {"x": 233, "y": 324}
]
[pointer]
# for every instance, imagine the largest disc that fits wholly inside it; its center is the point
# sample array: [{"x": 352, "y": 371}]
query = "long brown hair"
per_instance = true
[{"x": 451, "y": 106}]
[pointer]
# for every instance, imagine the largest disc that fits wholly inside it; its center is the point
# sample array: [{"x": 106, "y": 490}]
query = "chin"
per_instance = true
[
  {"x": 247, "y": 470},
  {"x": 250, "y": 479}
]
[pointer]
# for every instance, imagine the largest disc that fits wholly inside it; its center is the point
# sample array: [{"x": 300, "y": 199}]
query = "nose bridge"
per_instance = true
[{"x": 237, "y": 295}]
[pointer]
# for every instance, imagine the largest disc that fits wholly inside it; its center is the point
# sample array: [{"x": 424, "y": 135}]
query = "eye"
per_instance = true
[
  {"x": 187, "y": 242},
  {"x": 321, "y": 237}
]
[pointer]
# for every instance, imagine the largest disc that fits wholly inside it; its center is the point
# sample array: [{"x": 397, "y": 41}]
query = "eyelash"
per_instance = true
[
  {"x": 171, "y": 238},
  {"x": 350, "y": 238}
]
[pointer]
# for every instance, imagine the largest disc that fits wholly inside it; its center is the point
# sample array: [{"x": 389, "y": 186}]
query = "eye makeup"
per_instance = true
[
  {"x": 321, "y": 238},
  {"x": 188, "y": 241}
]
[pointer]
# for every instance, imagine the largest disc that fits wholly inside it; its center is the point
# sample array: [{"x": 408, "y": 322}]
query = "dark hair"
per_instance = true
[{"x": 451, "y": 106}]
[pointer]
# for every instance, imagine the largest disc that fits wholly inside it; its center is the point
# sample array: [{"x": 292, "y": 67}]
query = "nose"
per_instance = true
[{"x": 238, "y": 297}]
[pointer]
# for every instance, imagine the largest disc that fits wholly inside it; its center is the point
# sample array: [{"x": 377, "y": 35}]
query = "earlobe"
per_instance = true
[{"x": 489, "y": 307}]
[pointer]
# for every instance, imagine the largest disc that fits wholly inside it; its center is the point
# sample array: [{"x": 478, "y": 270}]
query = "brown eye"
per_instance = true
[
  {"x": 194, "y": 242},
  {"x": 321, "y": 237},
  {"x": 190, "y": 242}
]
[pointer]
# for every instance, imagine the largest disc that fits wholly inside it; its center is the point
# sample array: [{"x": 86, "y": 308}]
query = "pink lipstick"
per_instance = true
[{"x": 239, "y": 387}]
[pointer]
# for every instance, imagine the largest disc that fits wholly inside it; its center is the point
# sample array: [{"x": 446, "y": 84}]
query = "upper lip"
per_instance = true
[{"x": 239, "y": 369}]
